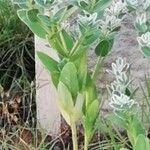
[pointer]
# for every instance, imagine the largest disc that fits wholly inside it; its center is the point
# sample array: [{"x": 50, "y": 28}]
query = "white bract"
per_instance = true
[
  {"x": 88, "y": 19},
  {"x": 117, "y": 86},
  {"x": 109, "y": 23},
  {"x": 132, "y": 3},
  {"x": 121, "y": 101},
  {"x": 144, "y": 40},
  {"x": 119, "y": 67},
  {"x": 141, "y": 19},
  {"x": 56, "y": 5},
  {"x": 146, "y": 4},
  {"x": 117, "y": 7}
]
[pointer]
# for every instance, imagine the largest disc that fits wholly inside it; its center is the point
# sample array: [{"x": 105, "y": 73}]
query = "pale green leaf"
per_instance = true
[
  {"x": 51, "y": 65},
  {"x": 35, "y": 27},
  {"x": 68, "y": 76}
]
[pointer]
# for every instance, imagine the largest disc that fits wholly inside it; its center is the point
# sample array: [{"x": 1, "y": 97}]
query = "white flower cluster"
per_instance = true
[
  {"x": 119, "y": 70},
  {"x": 144, "y": 40},
  {"x": 88, "y": 19},
  {"x": 117, "y": 7},
  {"x": 109, "y": 24},
  {"x": 119, "y": 100},
  {"x": 141, "y": 19},
  {"x": 111, "y": 16},
  {"x": 146, "y": 4},
  {"x": 133, "y": 3}
]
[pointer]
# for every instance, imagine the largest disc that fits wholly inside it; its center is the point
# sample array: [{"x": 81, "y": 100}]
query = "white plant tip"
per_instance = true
[
  {"x": 119, "y": 66},
  {"x": 110, "y": 23},
  {"x": 146, "y": 4},
  {"x": 88, "y": 19},
  {"x": 117, "y": 7},
  {"x": 141, "y": 19},
  {"x": 133, "y": 3},
  {"x": 119, "y": 101},
  {"x": 144, "y": 40}
]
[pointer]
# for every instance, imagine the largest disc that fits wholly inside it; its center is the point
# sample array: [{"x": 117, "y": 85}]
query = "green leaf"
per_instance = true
[
  {"x": 44, "y": 4},
  {"x": 83, "y": 4},
  {"x": 141, "y": 28},
  {"x": 58, "y": 16},
  {"x": 141, "y": 143},
  {"x": 82, "y": 70},
  {"x": 146, "y": 51},
  {"x": 135, "y": 128},
  {"x": 147, "y": 144},
  {"x": 114, "y": 119},
  {"x": 68, "y": 40},
  {"x": 90, "y": 119},
  {"x": 45, "y": 20},
  {"x": 101, "y": 5},
  {"x": 92, "y": 36},
  {"x": 103, "y": 48},
  {"x": 82, "y": 28},
  {"x": 69, "y": 13},
  {"x": 51, "y": 65},
  {"x": 55, "y": 43},
  {"x": 77, "y": 111},
  {"x": 34, "y": 26},
  {"x": 68, "y": 76},
  {"x": 65, "y": 102},
  {"x": 23, "y": 6},
  {"x": 19, "y": 1},
  {"x": 90, "y": 90},
  {"x": 127, "y": 92},
  {"x": 32, "y": 15}
]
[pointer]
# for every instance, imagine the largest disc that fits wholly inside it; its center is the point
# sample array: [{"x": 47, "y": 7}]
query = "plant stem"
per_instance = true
[
  {"x": 76, "y": 45},
  {"x": 85, "y": 143},
  {"x": 74, "y": 135},
  {"x": 97, "y": 67},
  {"x": 63, "y": 42}
]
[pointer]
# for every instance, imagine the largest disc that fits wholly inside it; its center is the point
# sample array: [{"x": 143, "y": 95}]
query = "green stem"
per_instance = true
[
  {"x": 76, "y": 45},
  {"x": 97, "y": 68},
  {"x": 78, "y": 42},
  {"x": 63, "y": 42},
  {"x": 74, "y": 135},
  {"x": 85, "y": 143}
]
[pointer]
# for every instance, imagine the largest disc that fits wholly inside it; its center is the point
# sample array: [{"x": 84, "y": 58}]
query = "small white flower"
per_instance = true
[
  {"x": 88, "y": 19},
  {"x": 117, "y": 7},
  {"x": 132, "y": 3},
  {"x": 141, "y": 19},
  {"x": 144, "y": 40},
  {"x": 121, "y": 101}
]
